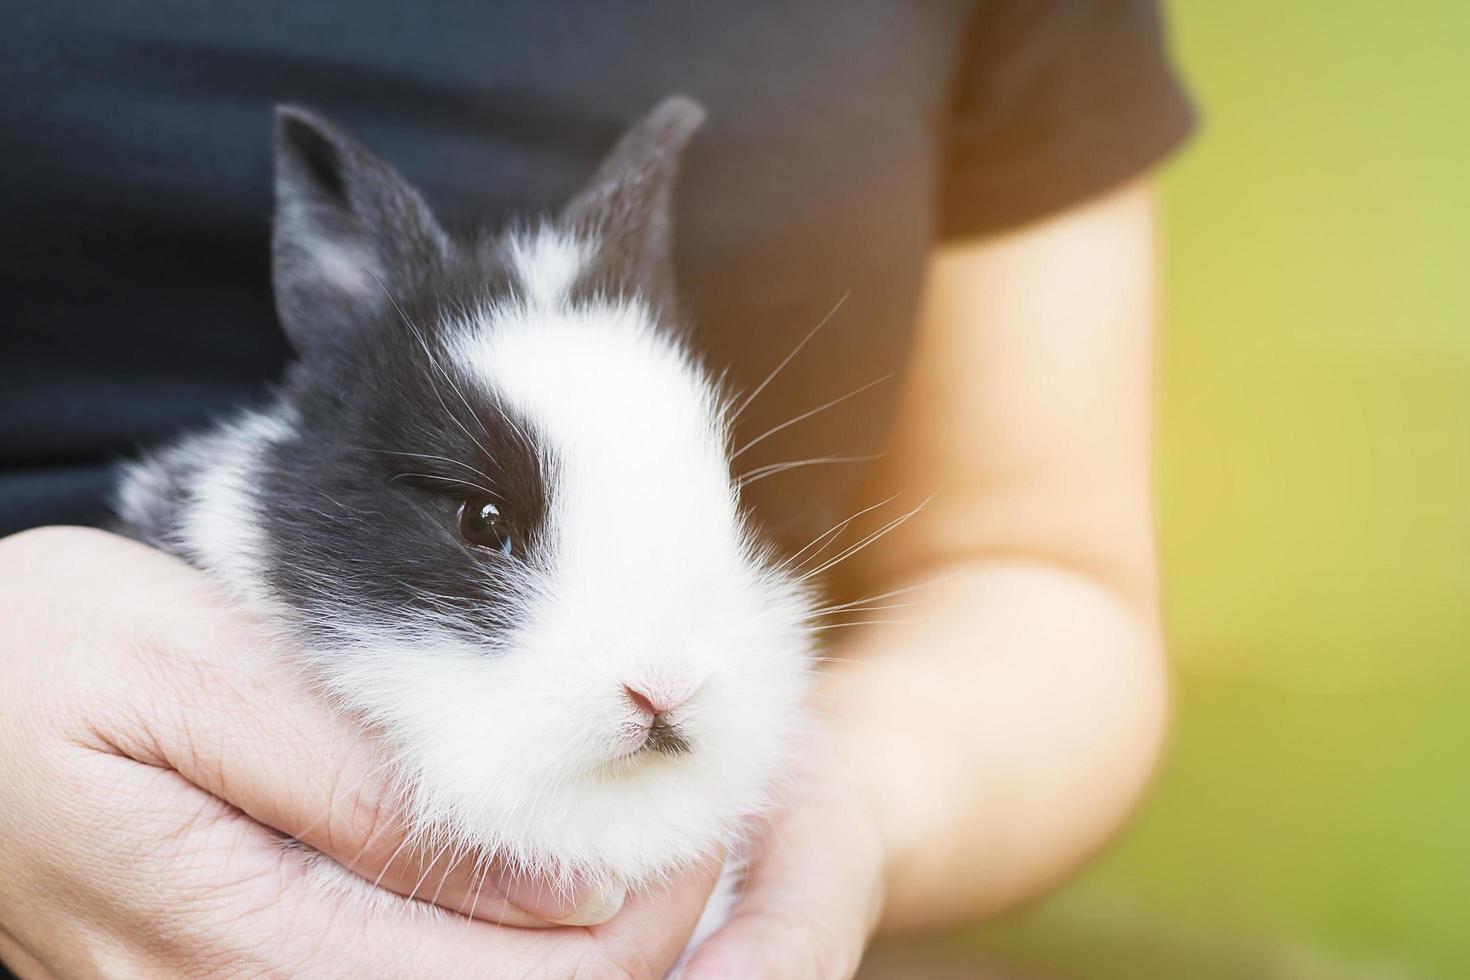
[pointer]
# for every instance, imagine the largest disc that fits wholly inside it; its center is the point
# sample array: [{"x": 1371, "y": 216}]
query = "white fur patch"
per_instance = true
[
  {"x": 224, "y": 522},
  {"x": 547, "y": 265},
  {"x": 219, "y": 527}
]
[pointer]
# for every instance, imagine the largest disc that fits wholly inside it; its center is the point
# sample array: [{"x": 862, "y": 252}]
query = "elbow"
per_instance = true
[{"x": 1133, "y": 733}]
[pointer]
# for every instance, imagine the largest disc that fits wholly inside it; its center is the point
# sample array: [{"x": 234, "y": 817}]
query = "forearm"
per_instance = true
[
  {"x": 1000, "y": 727},
  {"x": 1001, "y": 730}
]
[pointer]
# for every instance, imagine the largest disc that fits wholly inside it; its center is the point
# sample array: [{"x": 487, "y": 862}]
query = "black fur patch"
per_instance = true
[{"x": 359, "y": 517}]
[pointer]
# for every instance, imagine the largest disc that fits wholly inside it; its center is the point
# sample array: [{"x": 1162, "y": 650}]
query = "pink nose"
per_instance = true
[{"x": 654, "y": 703}]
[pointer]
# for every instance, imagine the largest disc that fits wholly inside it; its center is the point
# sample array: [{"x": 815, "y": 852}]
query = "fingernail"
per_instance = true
[
  {"x": 600, "y": 905},
  {"x": 581, "y": 904}
]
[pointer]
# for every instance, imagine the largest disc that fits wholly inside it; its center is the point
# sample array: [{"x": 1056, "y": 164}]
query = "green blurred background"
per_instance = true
[{"x": 1313, "y": 818}]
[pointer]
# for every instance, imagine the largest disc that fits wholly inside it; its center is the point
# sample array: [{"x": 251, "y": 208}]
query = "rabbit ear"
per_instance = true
[
  {"x": 627, "y": 208},
  {"x": 349, "y": 231}
]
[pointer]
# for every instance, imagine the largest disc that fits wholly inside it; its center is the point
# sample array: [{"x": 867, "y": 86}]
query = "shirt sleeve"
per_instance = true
[{"x": 1055, "y": 101}]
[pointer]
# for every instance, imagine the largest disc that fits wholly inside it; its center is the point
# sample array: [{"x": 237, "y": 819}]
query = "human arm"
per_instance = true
[{"x": 999, "y": 731}]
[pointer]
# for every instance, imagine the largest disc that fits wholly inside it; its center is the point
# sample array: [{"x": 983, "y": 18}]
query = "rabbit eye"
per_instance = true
[{"x": 481, "y": 524}]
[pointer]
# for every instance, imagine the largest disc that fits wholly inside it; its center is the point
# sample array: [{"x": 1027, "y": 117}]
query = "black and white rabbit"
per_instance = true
[{"x": 491, "y": 506}]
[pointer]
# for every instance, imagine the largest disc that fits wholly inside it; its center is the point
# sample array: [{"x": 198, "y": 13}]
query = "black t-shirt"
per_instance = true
[{"x": 844, "y": 138}]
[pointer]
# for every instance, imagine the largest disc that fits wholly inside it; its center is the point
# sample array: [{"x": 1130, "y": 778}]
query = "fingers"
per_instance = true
[
  {"x": 166, "y": 670},
  {"x": 174, "y": 743},
  {"x": 204, "y": 891},
  {"x": 810, "y": 904},
  {"x": 642, "y": 942},
  {"x": 647, "y": 938},
  {"x": 312, "y": 776}
]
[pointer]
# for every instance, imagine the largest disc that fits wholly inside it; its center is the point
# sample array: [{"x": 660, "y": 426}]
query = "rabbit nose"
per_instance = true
[
  {"x": 653, "y": 703},
  {"x": 658, "y": 732}
]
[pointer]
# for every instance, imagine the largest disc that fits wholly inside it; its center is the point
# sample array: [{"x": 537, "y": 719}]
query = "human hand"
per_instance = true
[
  {"x": 158, "y": 759},
  {"x": 815, "y": 886}
]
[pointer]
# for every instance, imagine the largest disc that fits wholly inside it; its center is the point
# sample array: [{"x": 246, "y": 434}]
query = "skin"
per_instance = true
[
  {"x": 974, "y": 749},
  {"x": 996, "y": 734}
]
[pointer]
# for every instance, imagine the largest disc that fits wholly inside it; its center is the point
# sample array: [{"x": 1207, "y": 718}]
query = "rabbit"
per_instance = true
[{"x": 490, "y": 505}]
